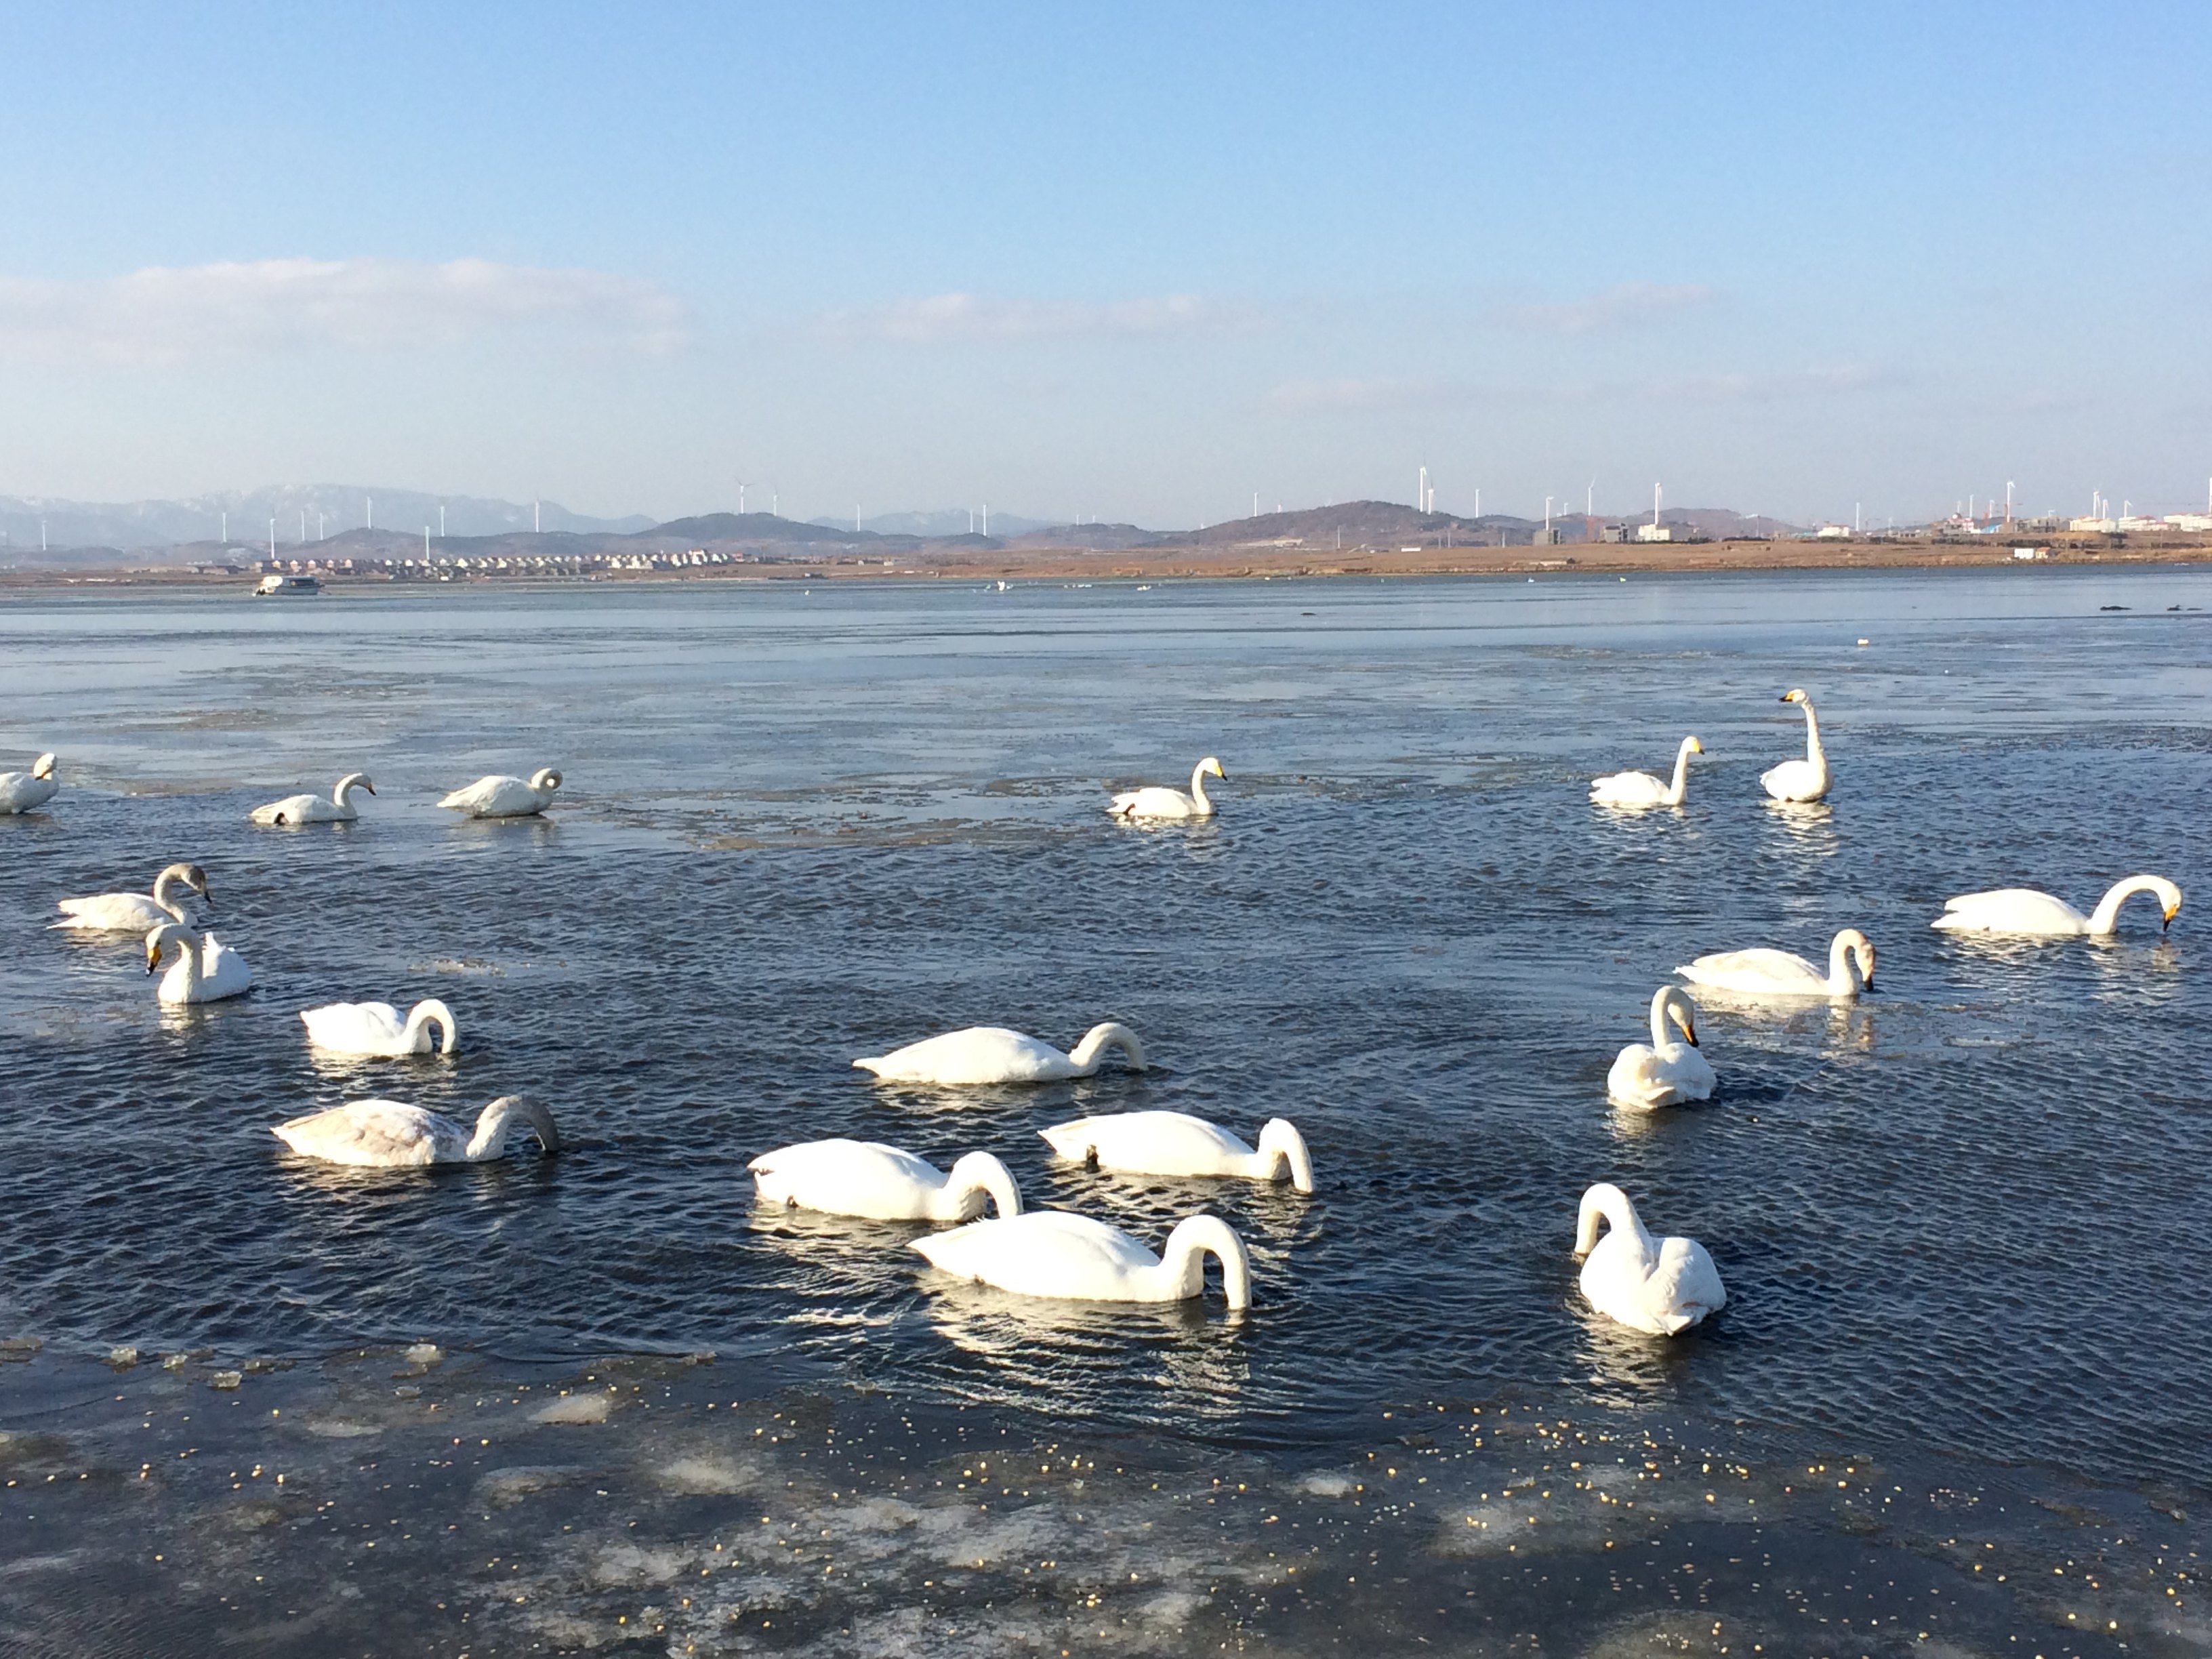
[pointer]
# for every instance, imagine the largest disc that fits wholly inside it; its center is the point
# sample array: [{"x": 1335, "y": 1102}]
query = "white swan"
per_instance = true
[
  {"x": 2024, "y": 911},
  {"x": 1662, "y": 1285},
  {"x": 19, "y": 792},
  {"x": 1803, "y": 779},
  {"x": 134, "y": 913},
  {"x": 378, "y": 1028},
  {"x": 206, "y": 971},
  {"x": 1055, "y": 1253},
  {"x": 1160, "y": 802},
  {"x": 1765, "y": 973},
  {"x": 388, "y": 1134},
  {"x": 1641, "y": 788},
  {"x": 1178, "y": 1144},
  {"x": 499, "y": 796},
  {"x": 882, "y": 1183},
  {"x": 991, "y": 1053},
  {"x": 1667, "y": 1071},
  {"x": 313, "y": 808}
]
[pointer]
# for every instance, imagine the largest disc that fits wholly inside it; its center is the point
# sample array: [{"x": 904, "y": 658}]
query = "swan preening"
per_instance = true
[
  {"x": 388, "y": 1134},
  {"x": 1160, "y": 802},
  {"x": 1662, "y": 1285},
  {"x": 1641, "y": 789},
  {"x": 206, "y": 971},
  {"x": 499, "y": 796},
  {"x": 991, "y": 1053},
  {"x": 1806, "y": 780},
  {"x": 1646, "y": 1078},
  {"x": 313, "y": 808},
  {"x": 1053, "y": 1253},
  {"x": 135, "y": 913},
  {"x": 378, "y": 1028},
  {"x": 19, "y": 792},
  {"x": 868, "y": 1179},
  {"x": 1763, "y": 973},
  {"x": 2024, "y": 912},
  {"x": 1178, "y": 1144}
]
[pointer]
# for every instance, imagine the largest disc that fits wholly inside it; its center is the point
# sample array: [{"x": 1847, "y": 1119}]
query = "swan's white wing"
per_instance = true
[
  {"x": 1628, "y": 789},
  {"x": 354, "y": 1027},
  {"x": 1049, "y": 1253},
  {"x": 293, "y": 809},
  {"x": 2011, "y": 910},
  {"x": 19, "y": 792},
  {"x": 1757, "y": 971},
  {"x": 496, "y": 796},
  {"x": 1646, "y": 1078},
  {"x": 371, "y": 1134},
  {"x": 1684, "y": 1286},
  {"x": 848, "y": 1178},
  {"x": 980, "y": 1055},
  {"x": 1153, "y": 1143},
  {"x": 223, "y": 972},
  {"x": 1157, "y": 802},
  {"x": 111, "y": 913}
]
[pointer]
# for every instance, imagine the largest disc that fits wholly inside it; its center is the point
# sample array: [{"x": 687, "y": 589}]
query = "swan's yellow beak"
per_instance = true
[
  {"x": 2170, "y": 915},
  {"x": 153, "y": 959},
  {"x": 1696, "y": 748}
]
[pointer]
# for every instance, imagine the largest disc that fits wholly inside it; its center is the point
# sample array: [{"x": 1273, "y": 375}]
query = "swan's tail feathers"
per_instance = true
[
  {"x": 1070, "y": 1140},
  {"x": 1110, "y": 1034},
  {"x": 1685, "y": 1284},
  {"x": 874, "y": 1063},
  {"x": 980, "y": 1175},
  {"x": 1282, "y": 1146}
]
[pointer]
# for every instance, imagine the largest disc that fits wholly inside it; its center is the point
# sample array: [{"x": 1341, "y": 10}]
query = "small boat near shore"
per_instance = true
[{"x": 286, "y": 587}]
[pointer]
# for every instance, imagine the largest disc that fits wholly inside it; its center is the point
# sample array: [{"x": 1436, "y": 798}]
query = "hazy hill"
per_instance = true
[{"x": 943, "y": 524}]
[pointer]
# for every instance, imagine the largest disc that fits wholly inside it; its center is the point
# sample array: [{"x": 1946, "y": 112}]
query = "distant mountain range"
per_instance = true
[
  {"x": 938, "y": 525},
  {"x": 243, "y": 516}
]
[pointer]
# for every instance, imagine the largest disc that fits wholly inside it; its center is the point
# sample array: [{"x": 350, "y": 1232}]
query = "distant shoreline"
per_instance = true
[{"x": 1234, "y": 563}]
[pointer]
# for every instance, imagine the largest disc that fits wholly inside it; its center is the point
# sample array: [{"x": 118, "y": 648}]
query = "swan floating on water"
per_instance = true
[
  {"x": 313, "y": 808},
  {"x": 991, "y": 1053},
  {"x": 1055, "y": 1253},
  {"x": 882, "y": 1183},
  {"x": 2025, "y": 912},
  {"x": 1662, "y": 1285},
  {"x": 1646, "y": 1078},
  {"x": 389, "y": 1135},
  {"x": 135, "y": 913},
  {"x": 1160, "y": 802},
  {"x": 1765, "y": 973},
  {"x": 1803, "y": 779},
  {"x": 1641, "y": 788},
  {"x": 22, "y": 792},
  {"x": 378, "y": 1028},
  {"x": 499, "y": 796},
  {"x": 206, "y": 971},
  {"x": 1178, "y": 1144}
]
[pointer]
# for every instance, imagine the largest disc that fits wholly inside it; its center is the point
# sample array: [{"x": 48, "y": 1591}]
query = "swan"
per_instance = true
[
  {"x": 1056, "y": 1253},
  {"x": 134, "y": 913},
  {"x": 2022, "y": 910},
  {"x": 1667, "y": 1072},
  {"x": 387, "y": 1134},
  {"x": 313, "y": 808},
  {"x": 1641, "y": 788},
  {"x": 377, "y": 1028},
  {"x": 1801, "y": 779},
  {"x": 206, "y": 971},
  {"x": 1160, "y": 802},
  {"x": 1178, "y": 1144},
  {"x": 1662, "y": 1285},
  {"x": 498, "y": 797},
  {"x": 1763, "y": 973},
  {"x": 21, "y": 791},
  {"x": 882, "y": 1183},
  {"x": 991, "y": 1053}
]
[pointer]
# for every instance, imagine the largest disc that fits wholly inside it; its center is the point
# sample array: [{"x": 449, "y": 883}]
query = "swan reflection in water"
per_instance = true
[{"x": 1809, "y": 826}]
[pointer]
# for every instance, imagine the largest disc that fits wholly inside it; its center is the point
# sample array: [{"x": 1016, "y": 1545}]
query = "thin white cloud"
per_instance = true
[
  {"x": 957, "y": 319},
  {"x": 1356, "y": 395},
  {"x": 1834, "y": 380},
  {"x": 1624, "y": 307},
  {"x": 167, "y": 312}
]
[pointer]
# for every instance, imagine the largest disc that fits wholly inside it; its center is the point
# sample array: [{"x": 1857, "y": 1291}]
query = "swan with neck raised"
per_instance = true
[
  {"x": 135, "y": 913},
  {"x": 2024, "y": 913},
  {"x": 1055, "y": 1253},
  {"x": 378, "y": 1028},
  {"x": 1642, "y": 788},
  {"x": 877, "y": 1182},
  {"x": 1765, "y": 973},
  {"x": 496, "y": 796},
  {"x": 389, "y": 1135},
  {"x": 1661, "y": 1285},
  {"x": 1161, "y": 802},
  {"x": 1644, "y": 1079},
  {"x": 991, "y": 1053},
  {"x": 1178, "y": 1144},
  {"x": 23, "y": 792},
  {"x": 1806, "y": 780},
  {"x": 313, "y": 808},
  {"x": 206, "y": 971}
]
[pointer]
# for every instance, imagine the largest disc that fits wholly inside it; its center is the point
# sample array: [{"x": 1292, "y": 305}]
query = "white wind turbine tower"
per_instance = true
[
  {"x": 1654, "y": 506},
  {"x": 442, "y": 521},
  {"x": 536, "y": 517},
  {"x": 368, "y": 511}
]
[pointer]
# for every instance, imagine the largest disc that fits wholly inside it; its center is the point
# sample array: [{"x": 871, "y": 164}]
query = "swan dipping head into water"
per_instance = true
[
  {"x": 1178, "y": 1144},
  {"x": 390, "y": 1134},
  {"x": 1055, "y": 1253},
  {"x": 1661, "y": 1285},
  {"x": 868, "y": 1179},
  {"x": 2024, "y": 913},
  {"x": 991, "y": 1053}
]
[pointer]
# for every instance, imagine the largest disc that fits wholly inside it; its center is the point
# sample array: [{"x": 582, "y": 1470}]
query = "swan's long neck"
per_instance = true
[
  {"x": 1839, "y": 964},
  {"x": 165, "y": 893},
  {"x": 979, "y": 1172},
  {"x": 1665, "y": 998},
  {"x": 1674, "y": 790},
  {"x": 1100, "y": 1037},
  {"x": 427, "y": 1013},
  {"x": 1607, "y": 1202},
  {"x": 1281, "y": 1146},
  {"x": 1183, "y": 1260},
  {"x": 1812, "y": 736},
  {"x": 2107, "y": 915},
  {"x": 342, "y": 791},
  {"x": 493, "y": 1123},
  {"x": 1198, "y": 794}
]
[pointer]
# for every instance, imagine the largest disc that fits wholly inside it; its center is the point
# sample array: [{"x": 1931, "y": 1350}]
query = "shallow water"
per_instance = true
[{"x": 803, "y": 825}]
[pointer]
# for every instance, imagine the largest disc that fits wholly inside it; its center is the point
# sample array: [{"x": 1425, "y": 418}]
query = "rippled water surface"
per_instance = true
[{"x": 800, "y": 826}]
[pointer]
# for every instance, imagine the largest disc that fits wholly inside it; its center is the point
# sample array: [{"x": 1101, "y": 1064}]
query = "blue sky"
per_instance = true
[{"x": 1134, "y": 261}]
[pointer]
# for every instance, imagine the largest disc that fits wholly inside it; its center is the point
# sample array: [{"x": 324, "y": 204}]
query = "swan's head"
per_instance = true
[
  {"x": 43, "y": 767},
  {"x": 1691, "y": 746},
  {"x": 1795, "y": 695},
  {"x": 510, "y": 1110},
  {"x": 1211, "y": 768},
  {"x": 186, "y": 875},
  {"x": 1861, "y": 949},
  {"x": 1672, "y": 1002},
  {"x": 2169, "y": 899},
  {"x": 544, "y": 778},
  {"x": 353, "y": 780},
  {"x": 158, "y": 941}
]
